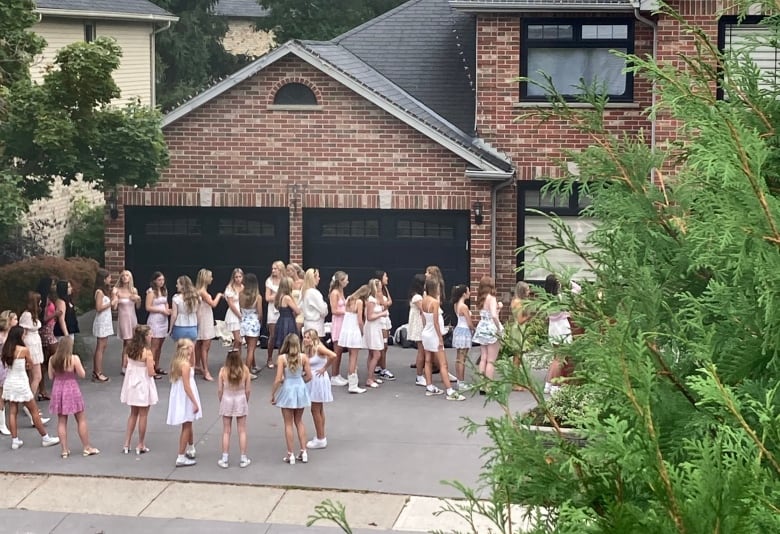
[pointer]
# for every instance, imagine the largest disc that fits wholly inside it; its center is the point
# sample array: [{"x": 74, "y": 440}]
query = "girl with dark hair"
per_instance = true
[
  {"x": 48, "y": 316},
  {"x": 386, "y": 301},
  {"x": 461, "y": 336},
  {"x": 415, "y": 325},
  {"x": 103, "y": 325},
  {"x": 489, "y": 328},
  {"x": 251, "y": 304},
  {"x": 138, "y": 388},
  {"x": 16, "y": 389},
  {"x": 67, "y": 323},
  {"x": 157, "y": 307},
  {"x": 32, "y": 340},
  {"x": 433, "y": 342}
]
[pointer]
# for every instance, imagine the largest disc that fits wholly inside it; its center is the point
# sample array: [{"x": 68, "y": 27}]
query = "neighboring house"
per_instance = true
[
  {"x": 133, "y": 23},
  {"x": 394, "y": 145},
  {"x": 242, "y": 37}
]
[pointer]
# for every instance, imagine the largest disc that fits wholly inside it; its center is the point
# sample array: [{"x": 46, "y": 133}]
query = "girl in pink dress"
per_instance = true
[
  {"x": 66, "y": 398},
  {"x": 339, "y": 281},
  {"x": 233, "y": 390},
  {"x": 157, "y": 320},
  {"x": 127, "y": 301},
  {"x": 138, "y": 389}
]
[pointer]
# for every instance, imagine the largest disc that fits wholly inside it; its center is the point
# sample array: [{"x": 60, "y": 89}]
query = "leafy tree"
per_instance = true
[
  {"x": 190, "y": 54},
  {"x": 319, "y": 19},
  {"x": 66, "y": 125}
]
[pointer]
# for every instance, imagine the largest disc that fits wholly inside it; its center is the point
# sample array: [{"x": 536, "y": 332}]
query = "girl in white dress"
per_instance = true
[
  {"x": 103, "y": 325},
  {"x": 372, "y": 330},
  {"x": 320, "y": 359},
  {"x": 278, "y": 270},
  {"x": 156, "y": 304},
  {"x": 31, "y": 323},
  {"x": 339, "y": 281},
  {"x": 313, "y": 306},
  {"x": 139, "y": 391},
  {"x": 206, "y": 330},
  {"x": 386, "y": 301},
  {"x": 184, "y": 401},
  {"x": 351, "y": 335},
  {"x": 415, "y": 325},
  {"x": 433, "y": 342},
  {"x": 233, "y": 313}
]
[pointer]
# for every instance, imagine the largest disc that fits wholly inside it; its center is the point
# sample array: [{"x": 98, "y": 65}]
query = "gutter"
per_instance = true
[
  {"x": 654, "y": 92},
  {"x": 153, "y": 61},
  {"x": 493, "y": 219},
  {"x": 105, "y": 15}
]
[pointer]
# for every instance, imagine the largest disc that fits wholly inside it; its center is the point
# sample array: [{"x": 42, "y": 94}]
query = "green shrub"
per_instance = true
[
  {"x": 16, "y": 279},
  {"x": 85, "y": 238}
]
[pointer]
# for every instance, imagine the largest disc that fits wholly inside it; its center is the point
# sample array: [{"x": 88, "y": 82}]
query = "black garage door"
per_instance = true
[
  {"x": 182, "y": 240},
  {"x": 401, "y": 242}
]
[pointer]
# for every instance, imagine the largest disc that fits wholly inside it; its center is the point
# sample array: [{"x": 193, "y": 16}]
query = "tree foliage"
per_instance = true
[
  {"x": 319, "y": 19},
  {"x": 66, "y": 126},
  {"x": 682, "y": 323},
  {"x": 190, "y": 54}
]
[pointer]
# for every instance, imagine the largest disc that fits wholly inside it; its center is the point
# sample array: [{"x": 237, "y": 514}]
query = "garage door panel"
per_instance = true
[{"x": 401, "y": 242}]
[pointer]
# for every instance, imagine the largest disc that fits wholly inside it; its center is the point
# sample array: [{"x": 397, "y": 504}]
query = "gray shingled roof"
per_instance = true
[
  {"x": 240, "y": 9},
  {"x": 542, "y": 5},
  {"x": 426, "y": 48},
  {"x": 130, "y": 7}
]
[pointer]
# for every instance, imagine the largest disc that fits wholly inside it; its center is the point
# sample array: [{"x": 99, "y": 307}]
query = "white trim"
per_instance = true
[
  {"x": 293, "y": 48},
  {"x": 105, "y": 15}
]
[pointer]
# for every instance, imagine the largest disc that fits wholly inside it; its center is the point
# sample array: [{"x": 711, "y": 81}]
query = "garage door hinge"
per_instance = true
[
  {"x": 467, "y": 245},
  {"x": 130, "y": 239}
]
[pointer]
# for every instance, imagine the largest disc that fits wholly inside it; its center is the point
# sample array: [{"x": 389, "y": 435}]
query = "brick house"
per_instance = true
[{"x": 393, "y": 146}]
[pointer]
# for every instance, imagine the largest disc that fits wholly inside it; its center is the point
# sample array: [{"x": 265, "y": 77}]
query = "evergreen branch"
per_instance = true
[
  {"x": 666, "y": 372},
  {"x": 726, "y": 396}
]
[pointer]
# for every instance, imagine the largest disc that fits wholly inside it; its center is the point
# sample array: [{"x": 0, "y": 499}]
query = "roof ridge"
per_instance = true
[{"x": 373, "y": 21}]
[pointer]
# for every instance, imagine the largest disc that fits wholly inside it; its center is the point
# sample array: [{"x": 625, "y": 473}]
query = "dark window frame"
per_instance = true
[
  {"x": 576, "y": 42},
  {"x": 723, "y": 22},
  {"x": 90, "y": 32},
  {"x": 293, "y": 94}
]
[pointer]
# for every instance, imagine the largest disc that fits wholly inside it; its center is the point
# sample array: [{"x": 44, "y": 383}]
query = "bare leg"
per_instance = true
[
  {"x": 185, "y": 438},
  {"x": 373, "y": 359},
  {"x": 36, "y": 417},
  {"x": 287, "y": 416},
  {"x": 35, "y": 376},
  {"x": 125, "y": 343},
  {"x": 143, "y": 416},
  {"x": 383, "y": 353},
  {"x": 47, "y": 353},
  {"x": 298, "y": 419},
  {"x": 62, "y": 432},
  {"x": 492, "y": 354},
  {"x": 336, "y": 367},
  {"x": 97, "y": 358},
  {"x": 318, "y": 415},
  {"x": 271, "y": 332},
  {"x": 441, "y": 357},
  {"x": 460, "y": 364},
  {"x": 204, "y": 358},
  {"x": 156, "y": 347},
  {"x": 242, "y": 441},
  {"x": 420, "y": 361},
  {"x": 251, "y": 345},
  {"x": 227, "y": 427},
  {"x": 353, "y": 358},
  {"x": 81, "y": 422},
  {"x": 132, "y": 420},
  {"x": 13, "y": 411},
  {"x": 483, "y": 357}
]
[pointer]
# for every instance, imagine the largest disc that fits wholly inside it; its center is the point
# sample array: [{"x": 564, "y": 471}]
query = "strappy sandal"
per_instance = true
[
  {"x": 90, "y": 451},
  {"x": 270, "y": 364},
  {"x": 64, "y": 454},
  {"x": 43, "y": 397},
  {"x": 160, "y": 372},
  {"x": 99, "y": 377}
]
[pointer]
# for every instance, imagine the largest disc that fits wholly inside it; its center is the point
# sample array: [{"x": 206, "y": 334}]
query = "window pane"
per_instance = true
[
  {"x": 566, "y": 66},
  {"x": 550, "y": 31},
  {"x": 604, "y": 31}
]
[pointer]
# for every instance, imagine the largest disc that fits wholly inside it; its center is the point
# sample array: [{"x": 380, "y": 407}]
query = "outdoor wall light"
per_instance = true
[
  {"x": 113, "y": 212},
  {"x": 292, "y": 192},
  {"x": 479, "y": 217}
]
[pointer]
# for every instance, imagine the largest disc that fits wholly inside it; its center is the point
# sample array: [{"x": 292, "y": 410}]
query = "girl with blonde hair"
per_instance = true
[
  {"x": 233, "y": 390},
  {"x": 289, "y": 393},
  {"x": 313, "y": 305},
  {"x": 138, "y": 388},
  {"x": 372, "y": 330},
  {"x": 233, "y": 313},
  {"x": 184, "y": 401},
  {"x": 297, "y": 275},
  {"x": 339, "y": 281},
  {"x": 433, "y": 342},
  {"x": 127, "y": 300},
  {"x": 351, "y": 336},
  {"x": 184, "y": 310},
  {"x": 489, "y": 329},
  {"x": 320, "y": 359},
  {"x": 278, "y": 270},
  {"x": 66, "y": 399},
  {"x": 251, "y": 304},
  {"x": 205, "y": 317}
]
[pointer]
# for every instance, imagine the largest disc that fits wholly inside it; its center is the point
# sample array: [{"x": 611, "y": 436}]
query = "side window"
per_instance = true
[
  {"x": 575, "y": 50},
  {"x": 295, "y": 94},
  {"x": 349, "y": 229},
  {"x": 89, "y": 32},
  {"x": 750, "y": 40}
]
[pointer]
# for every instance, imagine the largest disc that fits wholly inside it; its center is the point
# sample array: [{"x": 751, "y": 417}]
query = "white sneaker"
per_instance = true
[
  {"x": 185, "y": 462},
  {"x": 338, "y": 381},
  {"x": 317, "y": 443},
  {"x": 190, "y": 452},
  {"x": 463, "y": 386},
  {"x": 48, "y": 441},
  {"x": 244, "y": 462},
  {"x": 303, "y": 457},
  {"x": 16, "y": 443},
  {"x": 420, "y": 381},
  {"x": 547, "y": 387},
  {"x": 455, "y": 396},
  {"x": 223, "y": 463},
  {"x": 44, "y": 420},
  {"x": 433, "y": 391},
  {"x": 453, "y": 378}
]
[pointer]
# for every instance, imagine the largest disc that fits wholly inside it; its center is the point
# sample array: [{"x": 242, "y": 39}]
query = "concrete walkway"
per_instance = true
[{"x": 388, "y": 452}]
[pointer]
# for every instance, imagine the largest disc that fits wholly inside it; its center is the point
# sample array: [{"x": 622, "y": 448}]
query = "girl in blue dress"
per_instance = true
[{"x": 291, "y": 395}]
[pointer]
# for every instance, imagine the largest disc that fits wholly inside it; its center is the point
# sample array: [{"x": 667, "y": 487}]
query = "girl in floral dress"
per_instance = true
[
  {"x": 461, "y": 336},
  {"x": 251, "y": 319},
  {"x": 64, "y": 370}
]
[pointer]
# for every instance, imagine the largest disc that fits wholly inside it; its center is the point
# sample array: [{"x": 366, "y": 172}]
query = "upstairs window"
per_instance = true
[
  {"x": 570, "y": 51},
  {"x": 751, "y": 39},
  {"x": 295, "y": 94},
  {"x": 89, "y": 32}
]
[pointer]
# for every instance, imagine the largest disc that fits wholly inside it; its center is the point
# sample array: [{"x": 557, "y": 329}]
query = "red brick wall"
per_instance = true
[{"x": 340, "y": 156}]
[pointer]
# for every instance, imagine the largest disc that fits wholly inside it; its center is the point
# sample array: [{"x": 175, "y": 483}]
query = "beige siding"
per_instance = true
[
  {"x": 134, "y": 75},
  {"x": 537, "y": 227}
]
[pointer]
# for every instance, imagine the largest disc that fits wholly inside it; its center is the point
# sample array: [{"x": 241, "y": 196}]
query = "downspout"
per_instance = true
[
  {"x": 493, "y": 222},
  {"x": 153, "y": 93},
  {"x": 654, "y": 26}
]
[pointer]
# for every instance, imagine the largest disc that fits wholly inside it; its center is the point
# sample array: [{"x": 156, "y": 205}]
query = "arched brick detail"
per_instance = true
[{"x": 303, "y": 81}]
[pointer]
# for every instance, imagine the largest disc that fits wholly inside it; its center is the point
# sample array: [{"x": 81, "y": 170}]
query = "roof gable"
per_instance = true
[
  {"x": 428, "y": 49},
  {"x": 351, "y": 71},
  {"x": 112, "y": 9}
]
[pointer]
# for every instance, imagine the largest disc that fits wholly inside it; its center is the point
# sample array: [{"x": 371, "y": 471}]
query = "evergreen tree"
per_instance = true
[{"x": 190, "y": 55}]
